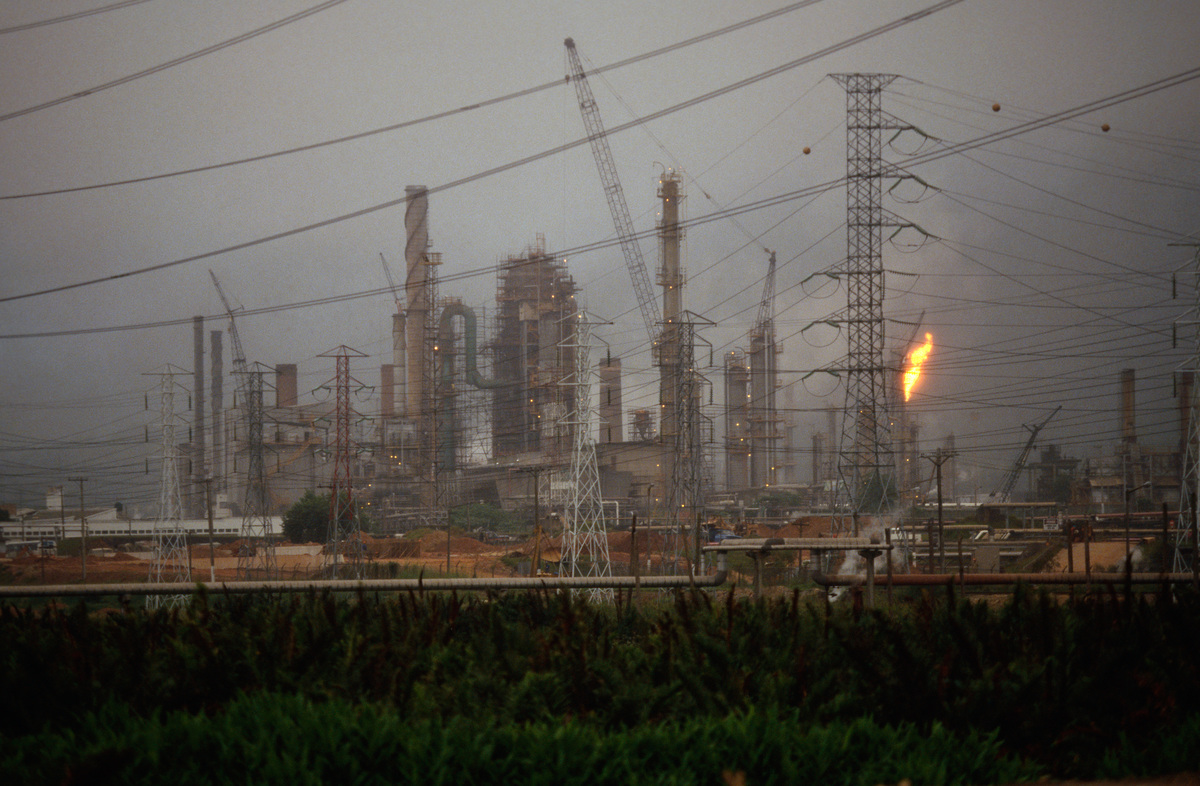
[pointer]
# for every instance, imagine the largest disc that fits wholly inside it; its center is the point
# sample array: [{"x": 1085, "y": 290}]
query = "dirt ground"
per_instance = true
[
  {"x": 1105, "y": 555},
  {"x": 467, "y": 557}
]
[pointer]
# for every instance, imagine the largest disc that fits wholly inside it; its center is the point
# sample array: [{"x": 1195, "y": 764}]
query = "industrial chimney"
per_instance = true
[
  {"x": 1128, "y": 427},
  {"x": 286, "y": 386}
]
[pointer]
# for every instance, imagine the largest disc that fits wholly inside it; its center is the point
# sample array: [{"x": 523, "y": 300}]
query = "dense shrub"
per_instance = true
[{"x": 1061, "y": 685}]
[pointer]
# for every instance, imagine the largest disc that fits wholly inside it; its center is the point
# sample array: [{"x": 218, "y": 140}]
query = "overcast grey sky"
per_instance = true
[{"x": 1050, "y": 270}]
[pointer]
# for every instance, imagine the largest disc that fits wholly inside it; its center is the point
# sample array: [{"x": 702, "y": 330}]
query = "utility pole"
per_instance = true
[
  {"x": 82, "y": 527},
  {"x": 940, "y": 457},
  {"x": 537, "y": 520},
  {"x": 212, "y": 548}
]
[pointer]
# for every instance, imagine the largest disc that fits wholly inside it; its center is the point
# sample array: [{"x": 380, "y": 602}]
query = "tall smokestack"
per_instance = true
[
  {"x": 200, "y": 433},
  {"x": 286, "y": 385},
  {"x": 1128, "y": 426},
  {"x": 818, "y": 458},
  {"x": 218, "y": 409},
  {"x": 610, "y": 401},
  {"x": 387, "y": 393},
  {"x": 669, "y": 235},
  {"x": 399, "y": 366},
  {"x": 416, "y": 227}
]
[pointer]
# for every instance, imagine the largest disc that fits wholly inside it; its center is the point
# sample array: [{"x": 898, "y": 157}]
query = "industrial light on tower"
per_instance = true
[{"x": 916, "y": 359}]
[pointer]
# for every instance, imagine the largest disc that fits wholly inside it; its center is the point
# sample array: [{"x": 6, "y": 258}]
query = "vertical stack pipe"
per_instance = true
[
  {"x": 286, "y": 385},
  {"x": 416, "y": 227},
  {"x": 218, "y": 408},
  {"x": 399, "y": 366},
  {"x": 737, "y": 418},
  {"x": 670, "y": 278},
  {"x": 763, "y": 426},
  {"x": 1128, "y": 408},
  {"x": 199, "y": 466},
  {"x": 610, "y": 401}
]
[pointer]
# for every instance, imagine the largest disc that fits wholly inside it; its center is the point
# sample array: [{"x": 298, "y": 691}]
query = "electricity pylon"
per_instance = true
[
  {"x": 256, "y": 556},
  {"x": 585, "y": 538},
  {"x": 170, "y": 562},
  {"x": 866, "y": 463},
  {"x": 345, "y": 537}
]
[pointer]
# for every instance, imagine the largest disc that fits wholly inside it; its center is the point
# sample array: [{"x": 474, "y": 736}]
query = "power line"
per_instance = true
[
  {"x": 208, "y": 50},
  {"x": 70, "y": 17},
  {"x": 427, "y": 118}
]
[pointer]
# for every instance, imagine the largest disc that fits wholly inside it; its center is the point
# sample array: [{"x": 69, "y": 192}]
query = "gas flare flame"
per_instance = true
[{"x": 916, "y": 359}]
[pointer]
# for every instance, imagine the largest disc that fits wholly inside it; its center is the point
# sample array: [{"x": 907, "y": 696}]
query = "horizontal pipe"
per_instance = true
[
  {"x": 1003, "y": 579},
  {"x": 371, "y": 585}
]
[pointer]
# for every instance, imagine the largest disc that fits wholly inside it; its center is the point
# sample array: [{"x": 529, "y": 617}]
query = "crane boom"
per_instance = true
[
  {"x": 391, "y": 282},
  {"x": 239, "y": 357},
  {"x": 1010, "y": 480},
  {"x": 614, "y": 193},
  {"x": 766, "y": 308}
]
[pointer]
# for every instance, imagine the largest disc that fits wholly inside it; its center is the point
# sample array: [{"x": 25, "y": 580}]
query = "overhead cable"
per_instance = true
[
  {"x": 70, "y": 17},
  {"x": 427, "y": 118},
  {"x": 208, "y": 50},
  {"x": 515, "y": 164}
]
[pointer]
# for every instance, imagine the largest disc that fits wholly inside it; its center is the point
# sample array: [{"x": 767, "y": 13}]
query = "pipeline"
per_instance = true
[
  {"x": 445, "y": 374},
  {"x": 370, "y": 585},
  {"x": 1004, "y": 579},
  {"x": 445, "y": 337}
]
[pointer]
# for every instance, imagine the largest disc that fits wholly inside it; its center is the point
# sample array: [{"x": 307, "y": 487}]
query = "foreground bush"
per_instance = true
[
  {"x": 1065, "y": 686},
  {"x": 268, "y": 738}
]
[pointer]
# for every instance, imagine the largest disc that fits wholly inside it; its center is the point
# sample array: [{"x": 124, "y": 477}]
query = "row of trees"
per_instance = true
[{"x": 307, "y": 521}]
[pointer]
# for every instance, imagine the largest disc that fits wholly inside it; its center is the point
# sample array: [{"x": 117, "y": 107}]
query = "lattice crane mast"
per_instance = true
[
  {"x": 766, "y": 309},
  {"x": 614, "y": 193},
  {"x": 239, "y": 357},
  {"x": 1010, "y": 480},
  {"x": 391, "y": 282}
]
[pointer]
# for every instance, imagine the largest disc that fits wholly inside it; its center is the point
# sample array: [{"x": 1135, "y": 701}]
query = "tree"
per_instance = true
[
  {"x": 308, "y": 520},
  {"x": 484, "y": 515}
]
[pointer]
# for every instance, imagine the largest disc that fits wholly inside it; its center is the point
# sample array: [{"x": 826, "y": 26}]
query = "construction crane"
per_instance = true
[
  {"x": 766, "y": 309},
  {"x": 1010, "y": 480},
  {"x": 614, "y": 193},
  {"x": 391, "y": 282},
  {"x": 239, "y": 357}
]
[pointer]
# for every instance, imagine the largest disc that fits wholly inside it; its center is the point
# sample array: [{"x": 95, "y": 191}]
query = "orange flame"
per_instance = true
[{"x": 916, "y": 359}]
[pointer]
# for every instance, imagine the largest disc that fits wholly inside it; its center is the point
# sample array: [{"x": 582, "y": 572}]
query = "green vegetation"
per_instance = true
[
  {"x": 312, "y": 688},
  {"x": 307, "y": 521},
  {"x": 483, "y": 515}
]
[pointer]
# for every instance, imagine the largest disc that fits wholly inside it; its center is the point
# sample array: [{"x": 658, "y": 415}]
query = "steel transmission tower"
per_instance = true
[
  {"x": 256, "y": 557},
  {"x": 170, "y": 562},
  {"x": 1187, "y": 529},
  {"x": 866, "y": 465},
  {"x": 345, "y": 538},
  {"x": 685, "y": 493},
  {"x": 585, "y": 541}
]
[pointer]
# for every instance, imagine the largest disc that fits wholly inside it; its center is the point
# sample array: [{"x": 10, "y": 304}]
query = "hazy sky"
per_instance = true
[{"x": 1045, "y": 270}]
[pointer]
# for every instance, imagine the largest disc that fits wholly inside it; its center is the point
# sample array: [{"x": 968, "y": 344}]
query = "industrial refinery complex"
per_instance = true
[{"x": 520, "y": 405}]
